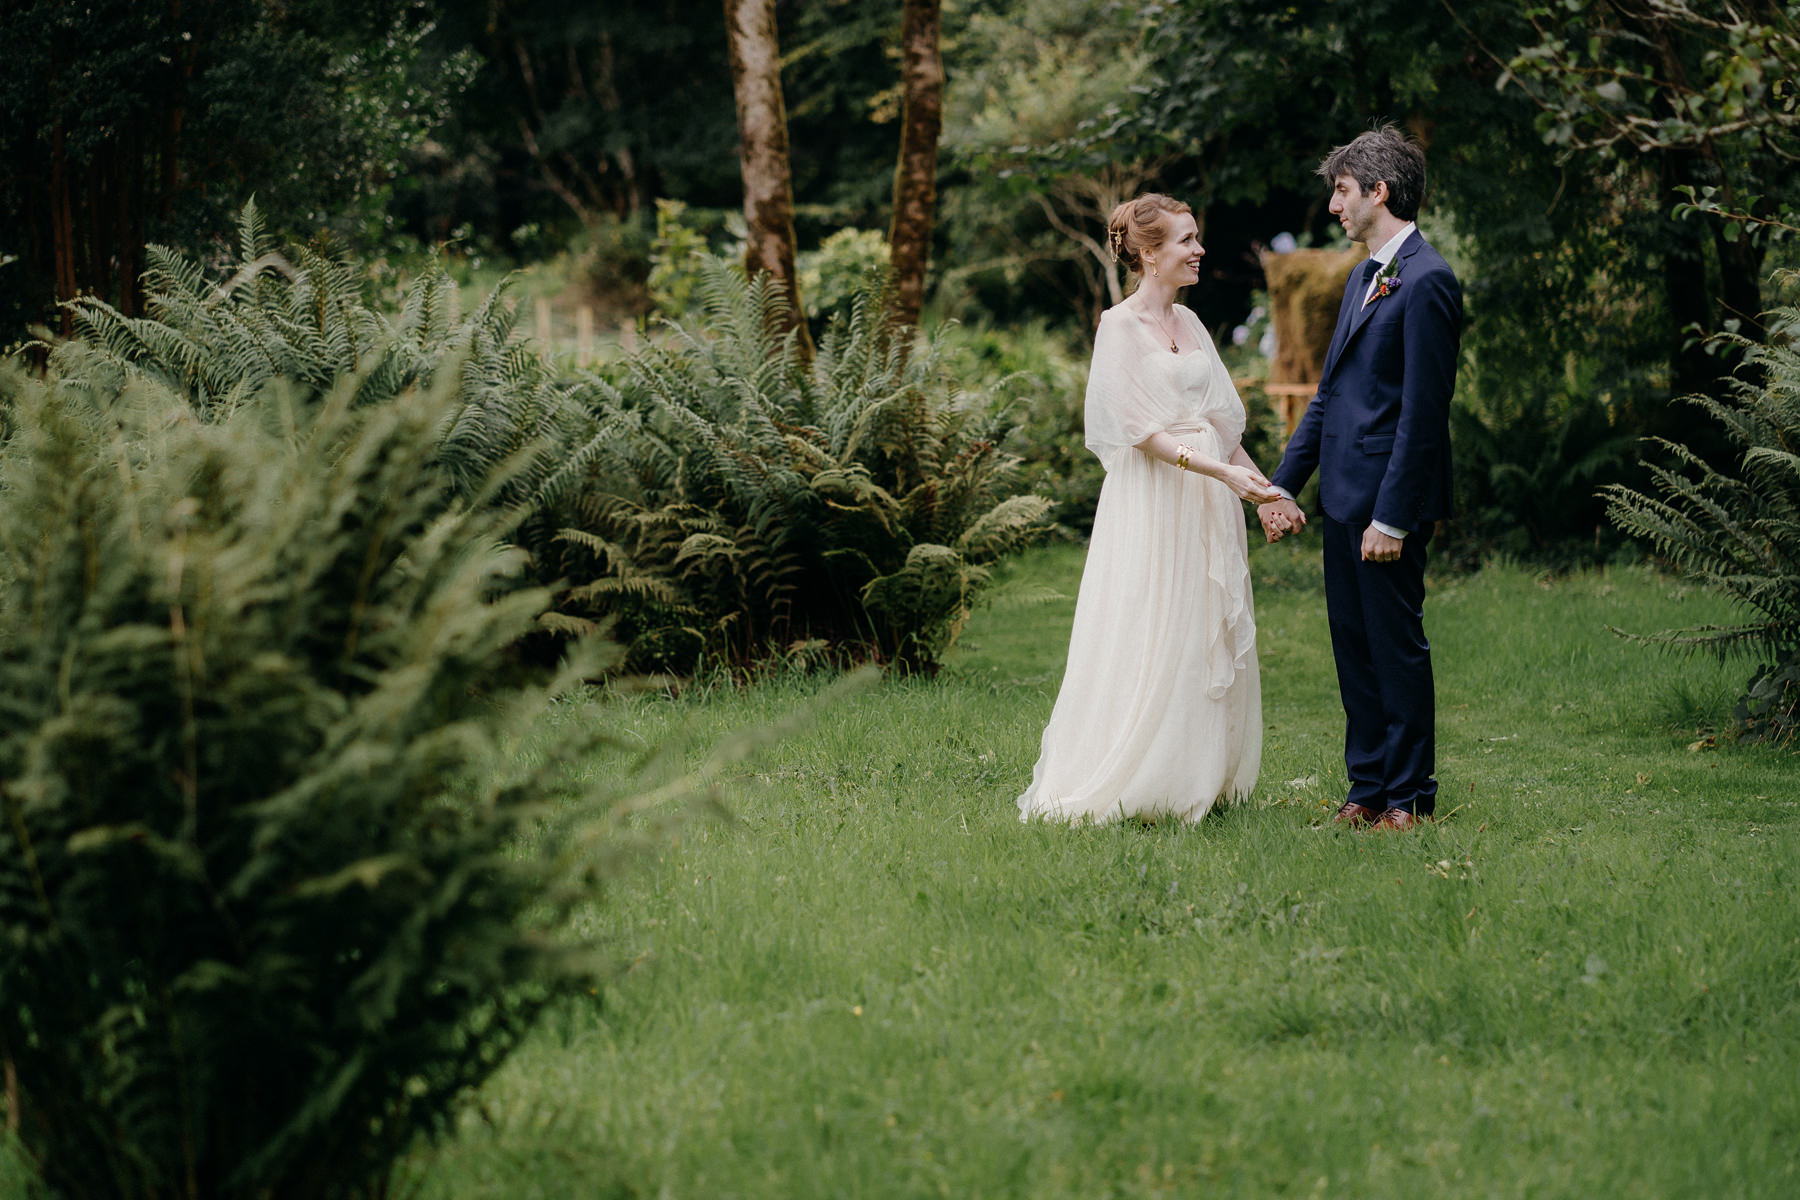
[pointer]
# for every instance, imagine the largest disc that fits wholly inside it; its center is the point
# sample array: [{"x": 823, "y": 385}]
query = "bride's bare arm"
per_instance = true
[
  {"x": 1244, "y": 480},
  {"x": 1242, "y": 459}
]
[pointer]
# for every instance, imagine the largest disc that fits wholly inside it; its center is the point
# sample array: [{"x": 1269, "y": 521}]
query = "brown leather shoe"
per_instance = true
[
  {"x": 1356, "y": 816},
  {"x": 1398, "y": 820}
]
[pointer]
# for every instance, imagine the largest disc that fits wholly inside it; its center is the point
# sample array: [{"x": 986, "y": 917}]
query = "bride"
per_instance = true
[{"x": 1160, "y": 712}]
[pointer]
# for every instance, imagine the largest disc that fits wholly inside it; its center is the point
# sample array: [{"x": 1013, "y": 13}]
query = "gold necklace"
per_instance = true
[{"x": 1164, "y": 329}]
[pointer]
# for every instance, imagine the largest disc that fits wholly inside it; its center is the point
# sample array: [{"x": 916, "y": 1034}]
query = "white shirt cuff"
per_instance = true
[
  {"x": 1285, "y": 494},
  {"x": 1390, "y": 530}
]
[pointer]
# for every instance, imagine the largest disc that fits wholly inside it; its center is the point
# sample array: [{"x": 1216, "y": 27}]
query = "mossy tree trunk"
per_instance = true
[
  {"x": 915, "y": 179},
  {"x": 763, "y": 152}
]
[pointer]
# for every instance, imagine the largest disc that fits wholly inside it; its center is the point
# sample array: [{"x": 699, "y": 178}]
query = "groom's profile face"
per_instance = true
[{"x": 1355, "y": 209}]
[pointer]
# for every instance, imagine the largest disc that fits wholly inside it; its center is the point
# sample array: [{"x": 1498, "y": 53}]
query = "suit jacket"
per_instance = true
[{"x": 1378, "y": 431}]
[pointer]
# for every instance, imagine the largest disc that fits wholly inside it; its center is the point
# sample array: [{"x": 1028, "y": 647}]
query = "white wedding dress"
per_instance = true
[{"x": 1160, "y": 712}]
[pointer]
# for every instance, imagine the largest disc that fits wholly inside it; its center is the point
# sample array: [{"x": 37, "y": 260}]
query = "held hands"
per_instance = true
[
  {"x": 1247, "y": 483},
  {"x": 1280, "y": 517}
]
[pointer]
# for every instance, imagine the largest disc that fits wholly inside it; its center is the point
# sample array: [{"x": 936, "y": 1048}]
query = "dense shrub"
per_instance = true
[
  {"x": 1737, "y": 528},
  {"x": 612, "y": 262},
  {"x": 304, "y": 323},
  {"x": 744, "y": 500},
  {"x": 834, "y": 275},
  {"x": 271, "y": 896},
  {"x": 1041, "y": 374},
  {"x": 684, "y": 239},
  {"x": 721, "y": 495},
  {"x": 1528, "y": 480}
]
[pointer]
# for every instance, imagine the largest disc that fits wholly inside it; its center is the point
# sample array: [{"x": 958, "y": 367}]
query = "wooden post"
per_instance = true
[
  {"x": 628, "y": 336},
  {"x": 584, "y": 336},
  {"x": 1290, "y": 400}
]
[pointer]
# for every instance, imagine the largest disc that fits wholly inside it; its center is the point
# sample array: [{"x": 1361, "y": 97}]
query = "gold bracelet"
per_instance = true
[{"x": 1181, "y": 460}]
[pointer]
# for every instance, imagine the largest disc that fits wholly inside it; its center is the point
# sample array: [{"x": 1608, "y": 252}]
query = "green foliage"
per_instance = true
[
  {"x": 1048, "y": 88},
  {"x": 723, "y": 497},
  {"x": 1527, "y": 479},
  {"x": 222, "y": 345},
  {"x": 1737, "y": 529},
  {"x": 1044, "y": 374},
  {"x": 678, "y": 257},
  {"x": 840, "y": 270},
  {"x": 1040, "y": 117},
  {"x": 613, "y": 261},
  {"x": 741, "y": 501},
  {"x": 273, "y": 897},
  {"x": 131, "y": 122},
  {"x": 1692, "y": 101},
  {"x": 1618, "y": 81}
]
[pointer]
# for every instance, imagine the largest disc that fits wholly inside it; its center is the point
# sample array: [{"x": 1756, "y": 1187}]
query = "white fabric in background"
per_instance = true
[{"x": 1160, "y": 710}]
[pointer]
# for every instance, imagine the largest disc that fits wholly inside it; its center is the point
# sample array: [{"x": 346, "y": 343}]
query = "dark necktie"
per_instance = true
[{"x": 1369, "y": 269}]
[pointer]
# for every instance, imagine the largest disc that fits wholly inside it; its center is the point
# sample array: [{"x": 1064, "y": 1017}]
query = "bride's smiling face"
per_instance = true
[{"x": 1177, "y": 258}]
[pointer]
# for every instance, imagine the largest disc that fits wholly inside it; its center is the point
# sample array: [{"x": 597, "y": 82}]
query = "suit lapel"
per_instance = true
[
  {"x": 1354, "y": 286},
  {"x": 1360, "y": 314}
]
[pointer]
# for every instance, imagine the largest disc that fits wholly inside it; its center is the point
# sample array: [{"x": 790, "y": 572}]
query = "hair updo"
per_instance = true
[{"x": 1137, "y": 226}]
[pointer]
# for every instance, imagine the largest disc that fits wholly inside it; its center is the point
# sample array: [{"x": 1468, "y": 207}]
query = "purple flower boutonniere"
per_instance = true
[{"x": 1387, "y": 280}]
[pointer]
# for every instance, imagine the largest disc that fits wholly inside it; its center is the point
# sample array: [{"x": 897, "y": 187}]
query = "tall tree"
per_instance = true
[
  {"x": 1263, "y": 91},
  {"x": 602, "y": 108},
  {"x": 1042, "y": 117},
  {"x": 1690, "y": 90},
  {"x": 915, "y": 179},
  {"x": 763, "y": 151}
]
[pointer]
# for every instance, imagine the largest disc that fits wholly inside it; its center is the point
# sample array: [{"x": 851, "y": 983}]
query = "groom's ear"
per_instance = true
[{"x": 1380, "y": 193}]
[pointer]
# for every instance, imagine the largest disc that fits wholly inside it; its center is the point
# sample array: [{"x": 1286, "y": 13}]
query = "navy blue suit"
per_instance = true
[{"x": 1378, "y": 434}]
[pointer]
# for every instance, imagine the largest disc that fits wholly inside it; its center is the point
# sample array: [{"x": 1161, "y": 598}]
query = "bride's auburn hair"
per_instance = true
[{"x": 1137, "y": 226}]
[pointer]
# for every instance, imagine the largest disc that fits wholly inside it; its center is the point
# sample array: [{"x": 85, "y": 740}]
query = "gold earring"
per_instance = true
[{"x": 1154, "y": 271}]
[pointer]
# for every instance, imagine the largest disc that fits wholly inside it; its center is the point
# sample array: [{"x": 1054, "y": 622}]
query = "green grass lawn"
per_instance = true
[{"x": 874, "y": 981}]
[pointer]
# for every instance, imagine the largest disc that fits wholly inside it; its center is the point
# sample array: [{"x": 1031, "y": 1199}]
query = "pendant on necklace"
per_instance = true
[{"x": 1172, "y": 349}]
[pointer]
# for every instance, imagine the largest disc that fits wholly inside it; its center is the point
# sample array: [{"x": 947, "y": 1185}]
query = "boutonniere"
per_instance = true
[{"x": 1387, "y": 280}]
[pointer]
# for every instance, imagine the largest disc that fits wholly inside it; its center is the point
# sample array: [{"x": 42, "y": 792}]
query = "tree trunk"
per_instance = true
[
  {"x": 62, "y": 222},
  {"x": 763, "y": 153},
  {"x": 1740, "y": 282},
  {"x": 1691, "y": 368},
  {"x": 915, "y": 179}
]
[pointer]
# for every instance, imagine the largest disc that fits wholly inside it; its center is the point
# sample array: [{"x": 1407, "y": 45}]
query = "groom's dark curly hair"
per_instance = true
[{"x": 1384, "y": 153}]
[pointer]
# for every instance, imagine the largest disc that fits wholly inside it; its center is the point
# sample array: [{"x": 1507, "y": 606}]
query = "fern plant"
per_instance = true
[
  {"x": 304, "y": 322},
  {"x": 1737, "y": 529},
  {"x": 271, "y": 899},
  {"x": 721, "y": 497},
  {"x": 743, "y": 499}
]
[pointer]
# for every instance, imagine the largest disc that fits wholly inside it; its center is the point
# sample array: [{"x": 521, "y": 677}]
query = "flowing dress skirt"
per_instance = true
[{"x": 1160, "y": 711}]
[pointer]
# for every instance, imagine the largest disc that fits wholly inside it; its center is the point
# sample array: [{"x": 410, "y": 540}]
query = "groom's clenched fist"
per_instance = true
[
  {"x": 1380, "y": 547},
  {"x": 1280, "y": 518}
]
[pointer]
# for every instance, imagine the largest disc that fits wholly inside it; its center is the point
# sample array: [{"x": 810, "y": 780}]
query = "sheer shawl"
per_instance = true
[{"x": 1136, "y": 388}]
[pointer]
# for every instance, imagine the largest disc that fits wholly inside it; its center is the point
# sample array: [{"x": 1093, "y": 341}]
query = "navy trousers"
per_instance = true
[{"x": 1377, "y": 614}]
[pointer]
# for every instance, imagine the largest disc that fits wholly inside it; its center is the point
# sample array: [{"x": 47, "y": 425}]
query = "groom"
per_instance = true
[{"x": 1378, "y": 433}]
